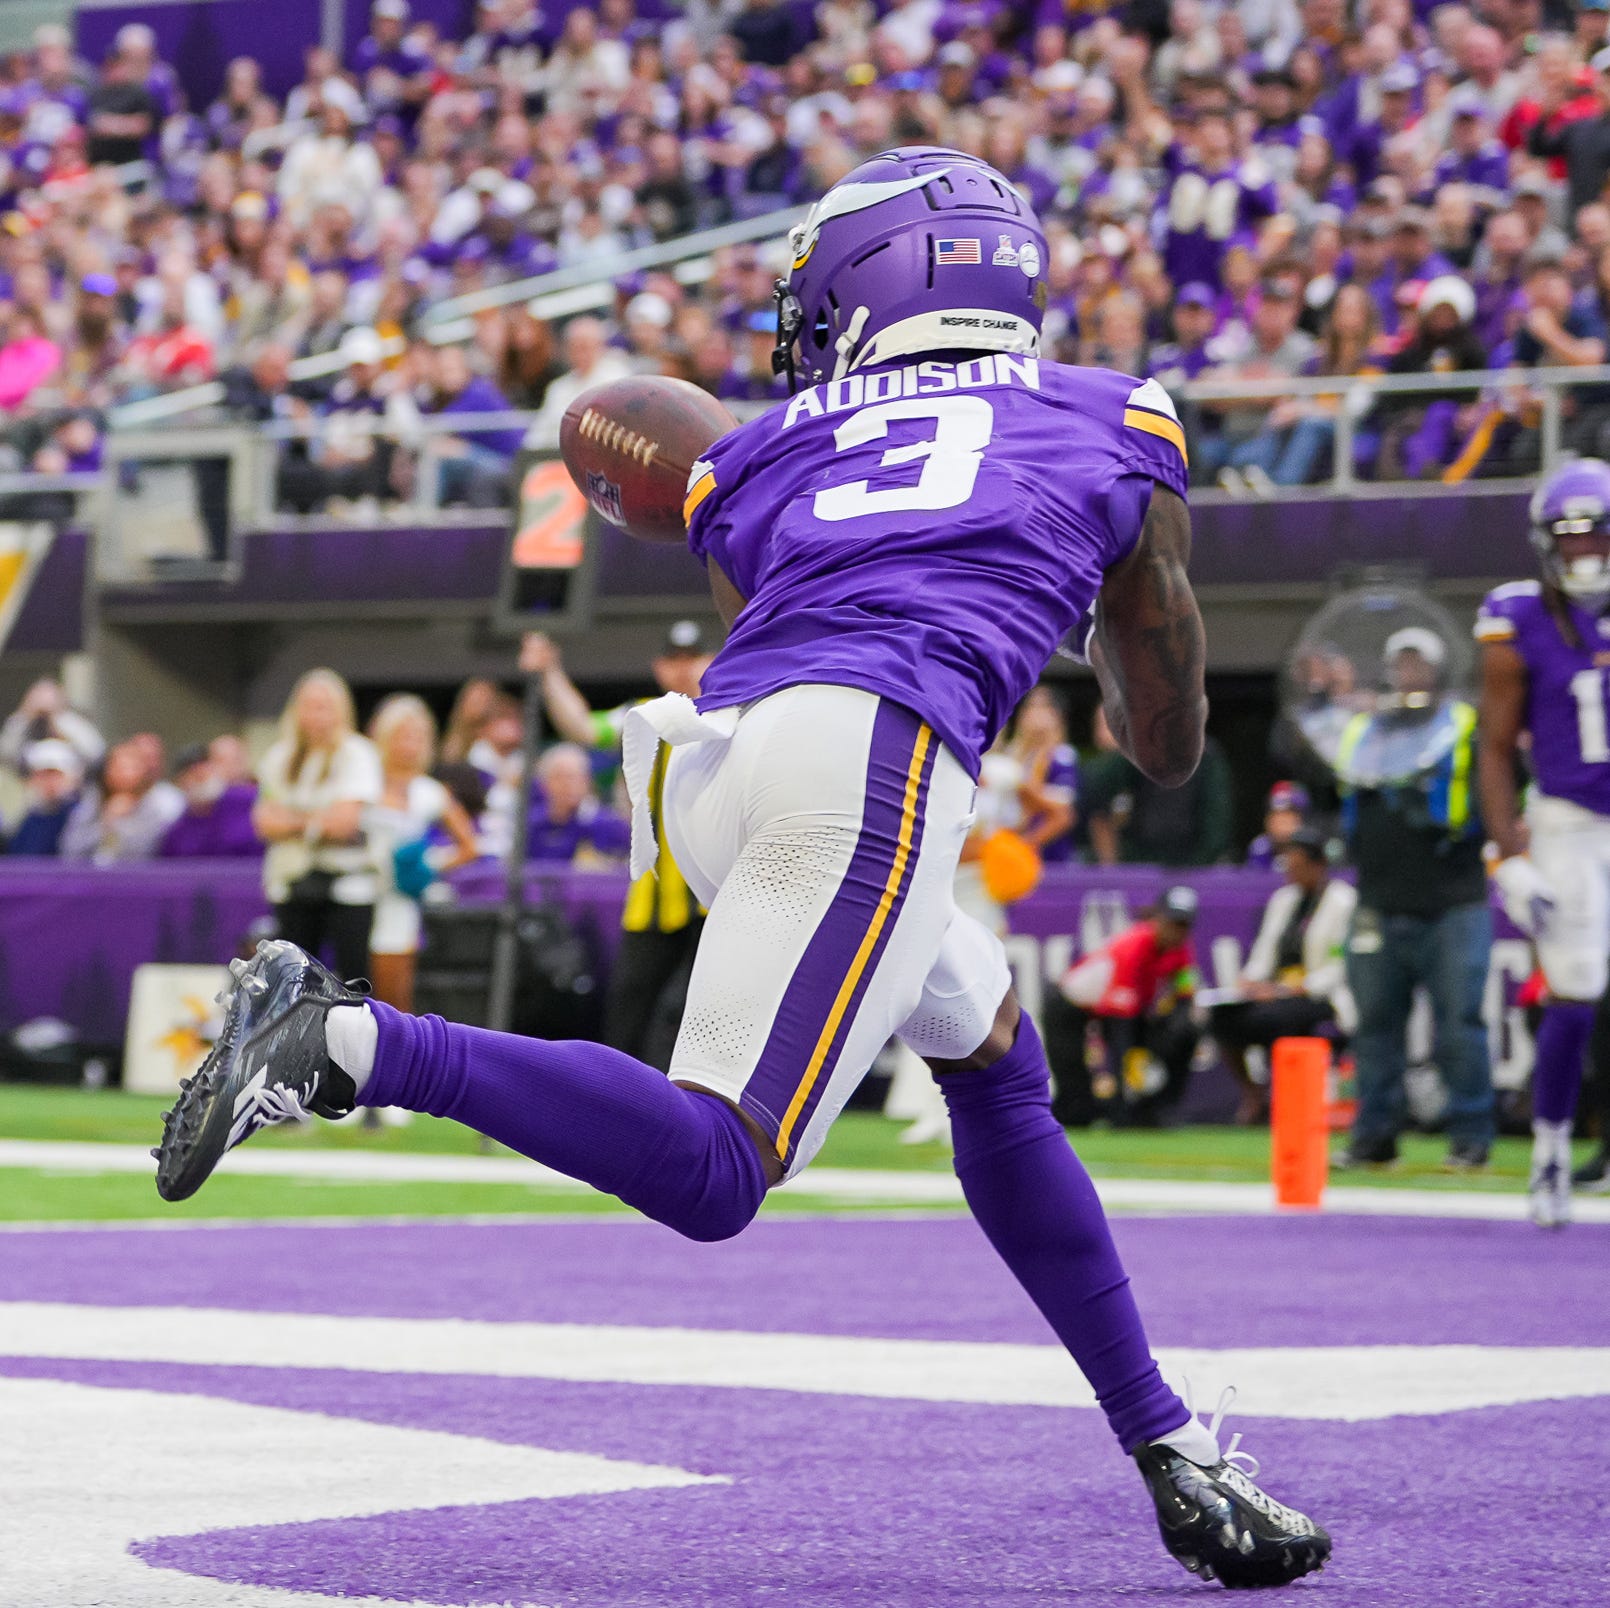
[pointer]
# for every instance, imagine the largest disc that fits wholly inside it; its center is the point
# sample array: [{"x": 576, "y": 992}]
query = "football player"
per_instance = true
[
  {"x": 1545, "y": 649},
  {"x": 899, "y": 549}
]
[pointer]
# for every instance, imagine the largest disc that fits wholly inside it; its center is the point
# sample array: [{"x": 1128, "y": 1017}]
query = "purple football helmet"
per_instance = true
[
  {"x": 918, "y": 250},
  {"x": 1574, "y": 501}
]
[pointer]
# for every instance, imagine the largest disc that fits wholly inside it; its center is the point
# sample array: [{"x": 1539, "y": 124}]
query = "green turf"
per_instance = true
[
  {"x": 38, "y": 1195},
  {"x": 859, "y": 1140}
]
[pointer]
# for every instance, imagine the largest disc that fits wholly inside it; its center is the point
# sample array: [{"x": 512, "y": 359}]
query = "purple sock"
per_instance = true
[
  {"x": 679, "y": 1156},
  {"x": 1562, "y": 1041},
  {"x": 1035, "y": 1202}
]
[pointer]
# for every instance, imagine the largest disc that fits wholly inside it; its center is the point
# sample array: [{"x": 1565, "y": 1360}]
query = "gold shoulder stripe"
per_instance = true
[
  {"x": 697, "y": 492},
  {"x": 1155, "y": 424},
  {"x": 1494, "y": 628}
]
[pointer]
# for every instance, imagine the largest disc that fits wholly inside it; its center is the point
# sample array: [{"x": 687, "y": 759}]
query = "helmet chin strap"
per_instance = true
[
  {"x": 846, "y": 344},
  {"x": 788, "y": 325}
]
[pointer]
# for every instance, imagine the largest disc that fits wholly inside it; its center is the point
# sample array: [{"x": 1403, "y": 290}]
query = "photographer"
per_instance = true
[{"x": 1406, "y": 773}]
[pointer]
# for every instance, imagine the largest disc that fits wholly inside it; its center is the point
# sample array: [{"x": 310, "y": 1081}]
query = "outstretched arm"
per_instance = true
[
  {"x": 571, "y": 714},
  {"x": 1149, "y": 649}
]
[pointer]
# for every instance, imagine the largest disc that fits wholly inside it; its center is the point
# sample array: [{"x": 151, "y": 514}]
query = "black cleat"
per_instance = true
[
  {"x": 1593, "y": 1176},
  {"x": 269, "y": 1065},
  {"x": 1467, "y": 1156},
  {"x": 1366, "y": 1153},
  {"x": 1219, "y": 1525}
]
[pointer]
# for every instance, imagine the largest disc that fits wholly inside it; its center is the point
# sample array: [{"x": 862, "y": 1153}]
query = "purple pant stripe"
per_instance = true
[
  {"x": 847, "y": 1020},
  {"x": 815, "y": 985}
]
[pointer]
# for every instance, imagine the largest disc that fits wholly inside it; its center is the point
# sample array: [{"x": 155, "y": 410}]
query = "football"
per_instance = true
[{"x": 629, "y": 446}]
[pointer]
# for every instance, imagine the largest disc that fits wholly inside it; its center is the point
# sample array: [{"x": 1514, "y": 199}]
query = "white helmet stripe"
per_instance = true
[{"x": 844, "y": 199}]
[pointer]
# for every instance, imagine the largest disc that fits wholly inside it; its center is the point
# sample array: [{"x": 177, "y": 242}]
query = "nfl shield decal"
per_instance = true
[{"x": 605, "y": 496}]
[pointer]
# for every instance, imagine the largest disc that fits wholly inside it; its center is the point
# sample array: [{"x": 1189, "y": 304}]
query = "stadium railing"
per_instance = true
[
  {"x": 1511, "y": 392},
  {"x": 560, "y": 294},
  {"x": 171, "y": 430},
  {"x": 583, "y": 288}
]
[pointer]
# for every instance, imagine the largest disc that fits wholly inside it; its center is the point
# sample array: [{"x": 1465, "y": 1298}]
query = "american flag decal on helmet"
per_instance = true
[{"x": 957, "y": 253}]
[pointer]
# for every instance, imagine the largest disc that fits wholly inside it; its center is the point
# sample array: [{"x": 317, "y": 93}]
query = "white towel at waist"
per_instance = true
[{"x": 673, "y": 719}]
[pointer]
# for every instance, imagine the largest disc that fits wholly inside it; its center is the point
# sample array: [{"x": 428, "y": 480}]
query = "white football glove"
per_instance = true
[{"x": 1527, "y": 897}]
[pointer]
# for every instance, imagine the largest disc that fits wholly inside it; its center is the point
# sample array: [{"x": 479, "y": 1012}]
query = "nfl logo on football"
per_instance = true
[{"x": 605, "y": 496}]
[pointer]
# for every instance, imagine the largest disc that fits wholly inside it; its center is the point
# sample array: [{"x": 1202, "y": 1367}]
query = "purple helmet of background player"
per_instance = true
[
  {"x": 918, "y": 250},
  {"x": 1574, "y": 501}
]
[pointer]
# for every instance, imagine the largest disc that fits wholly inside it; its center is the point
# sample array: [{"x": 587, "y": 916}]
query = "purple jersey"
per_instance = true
[
  {"x": 1567, "y": 689},
  {"x": 1201, "y": 213},
  {"x": 928, "y": 531}
]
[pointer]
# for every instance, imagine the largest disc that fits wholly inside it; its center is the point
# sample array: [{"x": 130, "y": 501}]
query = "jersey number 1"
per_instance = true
[
  {"x": 1587, "y": 687},
  {"x": 950, "y": 458}
]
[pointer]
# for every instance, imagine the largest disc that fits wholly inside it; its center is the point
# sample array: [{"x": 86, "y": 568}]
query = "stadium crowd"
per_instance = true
[
  {"x": 1251, "y": 191},
  {"x": 1257, "y": 192}
]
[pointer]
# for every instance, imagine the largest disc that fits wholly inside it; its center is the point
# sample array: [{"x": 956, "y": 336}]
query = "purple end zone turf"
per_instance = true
[
  {"x": 1200, "y": 1281},
  {"x": 846, "y": 1501}
]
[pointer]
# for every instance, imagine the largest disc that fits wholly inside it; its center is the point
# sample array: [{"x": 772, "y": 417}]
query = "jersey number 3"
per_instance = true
[{"x": 949, "y": 458}]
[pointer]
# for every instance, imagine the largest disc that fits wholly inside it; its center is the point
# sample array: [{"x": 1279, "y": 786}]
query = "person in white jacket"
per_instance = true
[{"x": 1295, "y": 980}]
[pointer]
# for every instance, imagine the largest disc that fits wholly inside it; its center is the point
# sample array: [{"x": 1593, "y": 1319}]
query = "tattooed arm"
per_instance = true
[{"x": 1149, "y": 648}]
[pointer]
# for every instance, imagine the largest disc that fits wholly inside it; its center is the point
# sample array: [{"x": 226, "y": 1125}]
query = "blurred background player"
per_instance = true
[
  {"x": 819, "y": 793},
  {"x": 1543, "y": 658}
]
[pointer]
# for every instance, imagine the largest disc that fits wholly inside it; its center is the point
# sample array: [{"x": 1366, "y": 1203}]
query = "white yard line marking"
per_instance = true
[
  {"x": 88, "y": 1470},
  {"x": 841, "y": 1184},
  {"x": 1347, "y": 1383}
]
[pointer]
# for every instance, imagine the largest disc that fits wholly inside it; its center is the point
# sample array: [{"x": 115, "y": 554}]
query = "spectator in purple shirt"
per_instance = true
[
  {"x": 1366, "y": 148},
  {"x": 53, "y": 772},
  {"x": 394, "y": 70},
  {"x": 1211, "y": 197},
  {"x": 1412, "y": 262},
  {"x": 232, "y": 115},
  {"x": 1280, "y": 127},
  {"x": 475, "y": 468},
  {"x": 1316, "y": 179},
  {"x": 1369, "y": 248},
  {"x": 1496, "y": 274},
  {"x": 767, "y": 32},
  {"x": 1285, "y": 811},
  {"x": 217, "y": 821},
  {"x": 567, "y": 821},
  {"x": 511, "y": 251},
  {"x": 776, "y": 172},
  {"x": 51, "y": 100},
  {"x": 1473, "y": 157},
  {"x": 1194, "y": 320}
]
